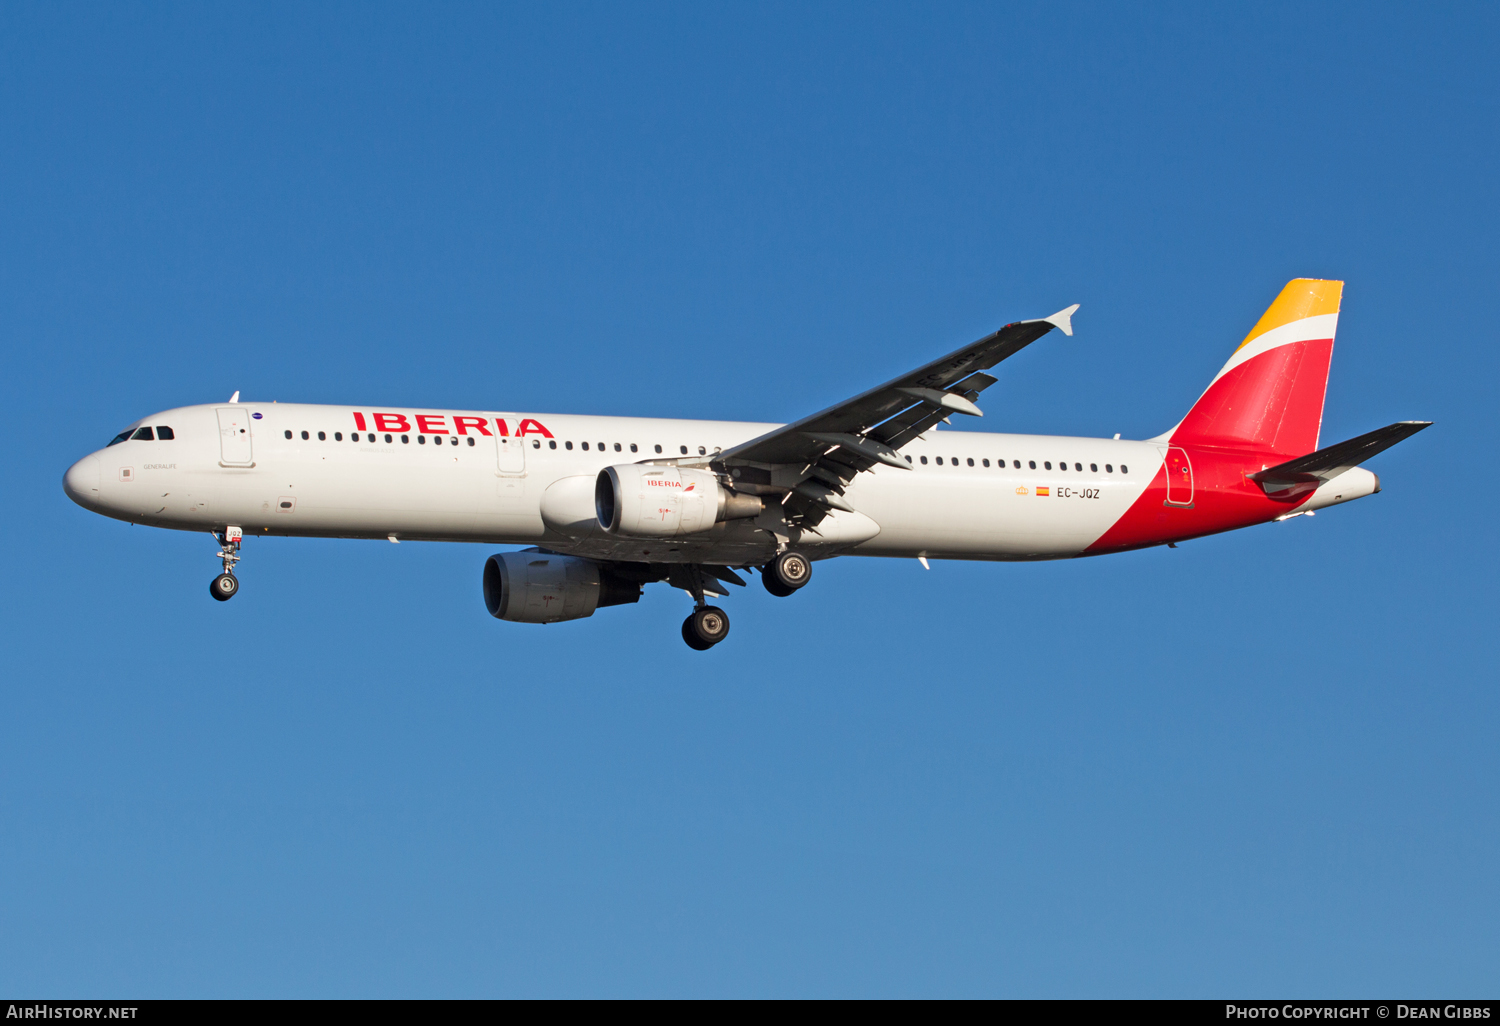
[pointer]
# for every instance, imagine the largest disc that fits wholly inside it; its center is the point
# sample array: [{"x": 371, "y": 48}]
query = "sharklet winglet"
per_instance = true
[{"x": 1063, "y": 319}]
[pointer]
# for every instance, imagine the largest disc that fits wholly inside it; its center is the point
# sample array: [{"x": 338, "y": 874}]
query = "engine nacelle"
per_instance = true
[
  {"x": 542, "y": 587},
  {"x": 646, "y": 501}
]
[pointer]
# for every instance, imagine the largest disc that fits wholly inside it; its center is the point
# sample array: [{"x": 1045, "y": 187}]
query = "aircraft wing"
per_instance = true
[
  {"x": 1331, "y": 461},
  {"x": 868, "y": 428},
  {"x": 812, "y": 461}
]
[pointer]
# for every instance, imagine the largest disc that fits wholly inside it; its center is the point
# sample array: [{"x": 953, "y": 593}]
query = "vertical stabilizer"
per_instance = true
[{"x": 1269, "y": 395}]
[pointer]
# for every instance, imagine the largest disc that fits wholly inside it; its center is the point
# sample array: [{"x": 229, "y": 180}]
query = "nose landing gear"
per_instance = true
[{"x": 226, "y": 586}]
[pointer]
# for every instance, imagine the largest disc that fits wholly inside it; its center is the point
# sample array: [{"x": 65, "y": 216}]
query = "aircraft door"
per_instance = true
[
  {"x": 510, "y": 466},
  {"x": 234, "y": 436},
  {"x": 511, "y": 455},
  {"x": 1179, "y": 478}
]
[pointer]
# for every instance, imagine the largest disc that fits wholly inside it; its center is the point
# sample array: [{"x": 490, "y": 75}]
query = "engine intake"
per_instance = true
[
  {"x": 647, "y": 501},
  {"x": 542, "y": 587}
]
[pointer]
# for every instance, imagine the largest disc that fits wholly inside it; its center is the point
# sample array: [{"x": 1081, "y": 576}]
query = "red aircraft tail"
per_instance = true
[{"x": 1269, "y": 396}]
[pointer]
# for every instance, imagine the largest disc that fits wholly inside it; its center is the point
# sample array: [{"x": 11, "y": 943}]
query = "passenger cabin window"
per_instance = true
[
  {"x": 658, "y": 448},
  {"x": 617, "y": 447},
  {"x": 924, "y": 461},
  {"x": 164, "y": 434},
  {"x": 404, "y": 439},
  {"x": 702, "y": 451},
  {"x": 338, "y": 436},
  {"x": 1031, "y": 464},
  {"x": 1018, "y": 465},
  {"x": 471, "y": 441},
  {"x": 1124, "y": 469},
  {"x": 586, "y": 447},
  {"x": 322, "y": 437},
  {"x": 971, "y": 462},
  {"x": 568, "y": 445},
  {"x": 1045, "y": 463},
  {"x": 601, "y": 447},
  {"x": 1094, "y": 468},
  {"x": 304, "y": 436},
  {"x": 421, "y": 439},
  {"x": 939, "y": 460},
  {"x": 387, "y": 439},
  {"x": 1078, "y": 466},
  {"x": 683, "y": 448},
  {"x": 985, "y": 462},
  {"x": 552, "y": 445},
  {"x": 632, "y": 447},
  {"x": 371, "y": 436},
  {"x": 287, "y": 433}
]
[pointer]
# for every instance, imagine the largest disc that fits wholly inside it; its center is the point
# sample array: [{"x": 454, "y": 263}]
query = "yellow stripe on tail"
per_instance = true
[{"x": 1302, "y": 297}]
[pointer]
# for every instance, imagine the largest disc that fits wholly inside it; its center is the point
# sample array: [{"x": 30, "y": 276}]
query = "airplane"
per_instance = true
[{"x": 607, "y": 505}]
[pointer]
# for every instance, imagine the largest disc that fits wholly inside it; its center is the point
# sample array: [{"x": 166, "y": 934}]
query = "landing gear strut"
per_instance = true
[
  {"x": 786, "y": 573},
  {"x": 226, "y": 586}
]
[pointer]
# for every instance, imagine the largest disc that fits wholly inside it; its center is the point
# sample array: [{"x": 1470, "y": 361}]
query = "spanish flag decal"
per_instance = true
[{"x": 1043, "y": 490}]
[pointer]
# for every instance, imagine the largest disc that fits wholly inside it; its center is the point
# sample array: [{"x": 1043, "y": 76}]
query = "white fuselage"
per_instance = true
[{"x": 965, "y": 497}]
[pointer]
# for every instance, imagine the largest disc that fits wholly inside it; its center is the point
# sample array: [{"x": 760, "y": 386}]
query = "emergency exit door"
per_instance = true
[{"x": 510, "y": 454}]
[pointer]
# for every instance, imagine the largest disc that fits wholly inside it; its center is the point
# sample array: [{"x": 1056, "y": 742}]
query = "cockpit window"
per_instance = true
[
  {"x": 143, "y": 435},
  {"x": 164, "y": 433},
  {"x": 118, "y": 438}
]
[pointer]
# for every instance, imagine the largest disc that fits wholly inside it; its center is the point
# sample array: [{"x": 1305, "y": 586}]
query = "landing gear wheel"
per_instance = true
[
  {"x": 774, "y": 586},
  {"x": 224, "y": 587},
  {"x": 691, "y": 637},
  {"x": 791, "y": 570},
  {"x": 705, "y": 627}
]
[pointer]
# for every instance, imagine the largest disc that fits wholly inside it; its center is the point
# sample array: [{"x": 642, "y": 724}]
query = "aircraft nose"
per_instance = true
[{"x": 81, "y": 482}]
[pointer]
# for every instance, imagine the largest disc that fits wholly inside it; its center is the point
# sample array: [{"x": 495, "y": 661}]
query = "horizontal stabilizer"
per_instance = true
[{"x": 1330, "y": 462}]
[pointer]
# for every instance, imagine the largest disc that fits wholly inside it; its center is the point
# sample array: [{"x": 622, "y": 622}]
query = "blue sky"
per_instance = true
[{"x": 1259, "y": 764}]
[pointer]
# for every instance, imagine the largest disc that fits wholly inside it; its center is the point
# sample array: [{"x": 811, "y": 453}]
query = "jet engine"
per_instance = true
[
  {"x": 642, "y": 500},
  {"x": 542, "y": 587}
]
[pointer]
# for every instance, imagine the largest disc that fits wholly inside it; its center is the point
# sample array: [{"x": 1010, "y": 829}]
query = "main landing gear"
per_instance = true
[
  {"x": 708, "y": 625},
  {"x": 705, "y": 627},
  {"x": 226, "y": 586},
  {"x": 786, "y": 573}
]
